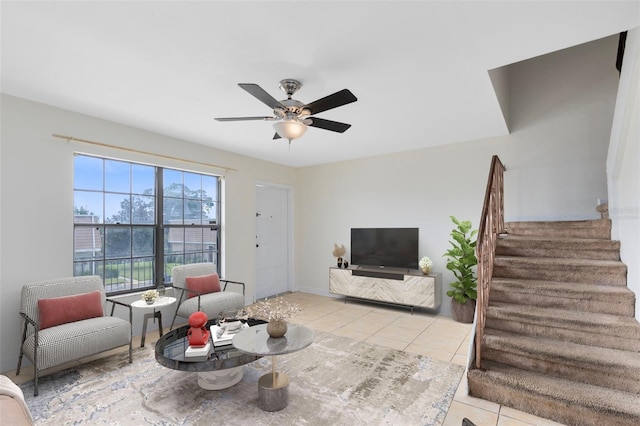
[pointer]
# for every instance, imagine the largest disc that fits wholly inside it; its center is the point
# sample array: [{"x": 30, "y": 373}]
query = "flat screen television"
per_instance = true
[{"x": 385, "y": 247}]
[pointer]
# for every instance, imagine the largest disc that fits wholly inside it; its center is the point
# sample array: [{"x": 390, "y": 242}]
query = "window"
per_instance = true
[{"x": 133, "y": 223}]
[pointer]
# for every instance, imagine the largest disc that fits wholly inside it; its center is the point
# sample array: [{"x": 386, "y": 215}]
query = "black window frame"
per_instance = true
[{"x": 106, "y": 266}]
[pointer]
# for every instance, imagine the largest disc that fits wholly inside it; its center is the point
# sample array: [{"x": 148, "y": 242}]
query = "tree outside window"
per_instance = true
[{"x": 133, "y": 223}]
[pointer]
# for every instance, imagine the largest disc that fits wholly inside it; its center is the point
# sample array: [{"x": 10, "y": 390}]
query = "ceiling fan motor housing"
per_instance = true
[
  {"x": 289, "y": 86},
  {"x": 293, "y": 109}
]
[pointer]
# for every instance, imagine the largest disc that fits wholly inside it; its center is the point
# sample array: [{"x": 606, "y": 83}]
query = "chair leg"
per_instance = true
[
  {"x": 174, "y": 319},
  {"x": 24, "y": 337},
  {"x": 35, "y": 366},
  {"x": 35, "y": 383},
  {"x": 19, "y": 363},
  {"x": 130, "y": 333},
  {"x": 175, "y": 314}
]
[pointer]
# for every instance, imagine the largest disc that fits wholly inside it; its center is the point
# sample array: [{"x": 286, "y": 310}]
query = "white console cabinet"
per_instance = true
[{"x": 400, "y": 288}]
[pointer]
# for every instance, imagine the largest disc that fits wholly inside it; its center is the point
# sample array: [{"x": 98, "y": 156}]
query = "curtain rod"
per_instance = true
[{"x": 169, "y": 157}]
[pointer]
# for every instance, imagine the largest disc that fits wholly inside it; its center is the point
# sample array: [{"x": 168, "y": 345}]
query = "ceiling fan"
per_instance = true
[{"x": 291, "y": 117}]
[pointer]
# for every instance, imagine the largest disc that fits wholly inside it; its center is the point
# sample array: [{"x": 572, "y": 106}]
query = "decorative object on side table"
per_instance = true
[
  {"x": 277, "y": 328},
  {"x": 425, "y": 265},
  {"x": 276, "y": 311},
  {"x": 338, "y": 252},
  {"x": 150, "y": 296},
  {"x": 461, "y": 261}
]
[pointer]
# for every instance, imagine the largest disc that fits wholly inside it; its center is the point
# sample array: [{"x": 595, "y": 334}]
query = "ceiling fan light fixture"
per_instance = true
[
  {"x": 289, "y": 129},
  {"x": 290, "y": 116}
]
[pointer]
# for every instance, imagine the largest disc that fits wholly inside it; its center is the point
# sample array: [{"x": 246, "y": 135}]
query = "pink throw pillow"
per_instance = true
[
  {"x": 202, "y": 284},
  {"x": 62, "y": 310}
]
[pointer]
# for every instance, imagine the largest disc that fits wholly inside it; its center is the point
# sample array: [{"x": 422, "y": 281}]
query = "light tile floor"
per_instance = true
[{"x": 422, "y": 333}]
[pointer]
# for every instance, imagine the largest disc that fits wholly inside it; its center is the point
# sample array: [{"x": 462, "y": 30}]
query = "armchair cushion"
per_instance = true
[
  {"x": 66, "y": 309},
  {"x": 79, "y": 339},
  {"x": 211, "y": 304},
  {"x": 202, "y": 284}
]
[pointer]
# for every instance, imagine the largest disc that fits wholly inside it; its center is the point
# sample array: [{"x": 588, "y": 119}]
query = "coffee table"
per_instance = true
[
  {"x": 273, "y": 388},
  {"x": 222, "y": 367}
]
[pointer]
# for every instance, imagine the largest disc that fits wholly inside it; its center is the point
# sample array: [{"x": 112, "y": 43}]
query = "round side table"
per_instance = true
[
  {"x": 159, "y": 303},
  {"x": 273, "y": 388}
]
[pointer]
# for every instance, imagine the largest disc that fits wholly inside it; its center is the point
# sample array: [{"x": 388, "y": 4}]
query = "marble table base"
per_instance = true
[
  {"x": 219, "y": 379},
  {"x": 273, "y": 391}
]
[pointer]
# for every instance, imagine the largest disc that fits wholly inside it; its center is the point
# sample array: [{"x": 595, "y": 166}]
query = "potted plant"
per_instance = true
[
  {"x": 461, "y": 260},
  {"x": 150, "y": 296},
  {"x": 276, "y": 311}
]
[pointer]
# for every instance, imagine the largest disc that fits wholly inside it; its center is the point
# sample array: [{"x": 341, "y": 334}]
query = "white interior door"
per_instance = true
[{"x": 272, "y": 240}]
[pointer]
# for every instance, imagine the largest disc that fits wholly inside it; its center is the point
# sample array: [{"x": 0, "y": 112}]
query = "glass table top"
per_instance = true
[
  {"x": 256, "y": 341},
  {"x": 170, "y": 352}
]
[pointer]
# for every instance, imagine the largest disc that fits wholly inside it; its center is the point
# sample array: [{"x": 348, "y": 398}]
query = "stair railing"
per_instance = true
[{"x": 491, "y": 225}]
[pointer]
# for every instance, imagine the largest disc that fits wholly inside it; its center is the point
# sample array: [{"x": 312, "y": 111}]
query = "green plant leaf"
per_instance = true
[{"x": 461, "y": 260}]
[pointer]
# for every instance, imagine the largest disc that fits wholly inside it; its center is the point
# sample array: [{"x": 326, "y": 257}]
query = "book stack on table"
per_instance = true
[
  {"x": 200, "y": 353},
  {"x": 223, "y": 335}
]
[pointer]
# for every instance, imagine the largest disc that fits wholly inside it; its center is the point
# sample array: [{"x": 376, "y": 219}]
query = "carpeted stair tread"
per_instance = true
[
  {"x": 607, "y": 299},
  {"x": 554, "y": 398},
  {"x": 612, "y": 368},
  {"x": 598, "y": 228},
  {"x": 560, "y": 288},
  {"x": 541, "y": 246},
  {"x": 601, "y": 330},
  {"x": 601, "y": 337},
  {"x": 555, "y": 261},
  {"x": 564, "y": 351},
  {"x": 586, "y": 321},
  {"x": 590, "y": 271}
]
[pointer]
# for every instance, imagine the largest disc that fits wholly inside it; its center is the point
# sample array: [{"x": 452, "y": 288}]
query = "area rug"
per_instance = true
[{"x": 335, "y": 381}]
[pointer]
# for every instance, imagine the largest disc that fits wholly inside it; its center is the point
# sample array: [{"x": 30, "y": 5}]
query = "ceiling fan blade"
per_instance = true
[
  {"x": 334, "y": 126},
  {"x": 262, "y": 95},
  {"x": 243, "y": 118},
  {"x": 335, "y": 100},
  {"x": 276, "y": 136}
]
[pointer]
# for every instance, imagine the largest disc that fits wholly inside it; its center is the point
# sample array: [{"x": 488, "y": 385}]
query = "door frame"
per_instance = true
[{"x": 290, "y": 227}]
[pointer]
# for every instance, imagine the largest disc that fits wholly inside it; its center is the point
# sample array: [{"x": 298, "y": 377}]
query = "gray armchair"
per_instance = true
[
  {"x": 210, "y": 303},
  {"x": 69, "y": 341}
]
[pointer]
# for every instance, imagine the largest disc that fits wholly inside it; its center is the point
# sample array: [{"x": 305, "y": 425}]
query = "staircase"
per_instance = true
[{"x": 561, "y": 340}]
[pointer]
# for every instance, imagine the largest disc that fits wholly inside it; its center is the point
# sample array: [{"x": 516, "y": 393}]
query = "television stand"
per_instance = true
[{"x": 393, "y": 286}]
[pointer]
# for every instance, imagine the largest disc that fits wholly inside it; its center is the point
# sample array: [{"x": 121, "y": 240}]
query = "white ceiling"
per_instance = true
[{"x": 418, "y": 68}]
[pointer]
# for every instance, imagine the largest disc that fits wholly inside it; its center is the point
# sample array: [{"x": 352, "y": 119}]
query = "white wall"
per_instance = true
[
  {"x": 561, "y": 114},
  {"x": 561, "y": 108},
  {"x": 622, "y": 165},
  {"x": 36, "y": 172}
]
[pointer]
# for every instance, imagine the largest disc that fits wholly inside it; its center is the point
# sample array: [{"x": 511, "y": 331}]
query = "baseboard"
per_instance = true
[{"x": 315, "y": 290}]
